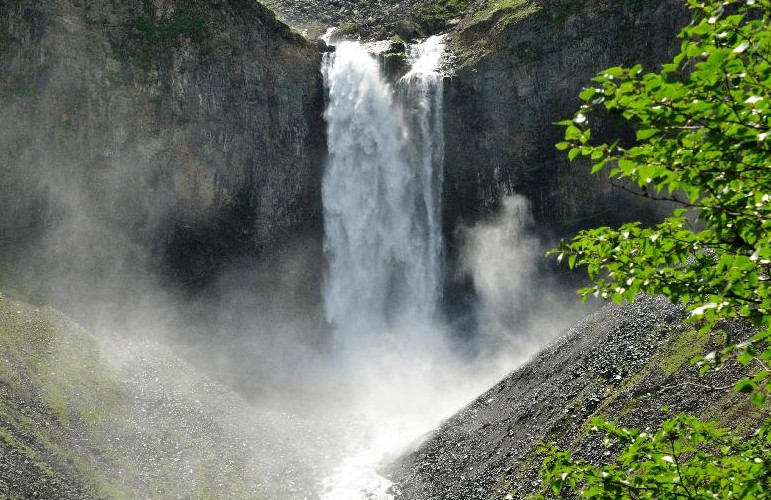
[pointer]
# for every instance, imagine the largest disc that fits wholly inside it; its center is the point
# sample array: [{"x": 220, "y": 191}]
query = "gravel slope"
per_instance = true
[
  {"x": 375, "y": 19},
  {"x": 82, "y": 419},
  {"x": 623, "y": 363}
]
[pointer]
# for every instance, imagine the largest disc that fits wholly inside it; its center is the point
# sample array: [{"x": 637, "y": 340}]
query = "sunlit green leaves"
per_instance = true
[
  {"x": 702, "y": 141},
  {"x": 684, "y": 458}
]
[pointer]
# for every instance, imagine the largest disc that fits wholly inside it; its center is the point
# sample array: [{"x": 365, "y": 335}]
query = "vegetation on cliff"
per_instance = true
[
  {"x": 701, "y": 143},
  {"x": 146, "y": 34},
  {"x": 439, "y": 12}
]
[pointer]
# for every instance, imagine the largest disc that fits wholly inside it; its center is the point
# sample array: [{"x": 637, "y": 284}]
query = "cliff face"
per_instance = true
[
  {"x": 168, "y": 133},
  {"x": 519, "y": 70}
]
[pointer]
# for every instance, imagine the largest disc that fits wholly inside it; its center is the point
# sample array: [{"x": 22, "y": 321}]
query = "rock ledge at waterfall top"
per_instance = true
[
  {"x": 372, "y": 18},
  {"x": 624, "y": 363}
]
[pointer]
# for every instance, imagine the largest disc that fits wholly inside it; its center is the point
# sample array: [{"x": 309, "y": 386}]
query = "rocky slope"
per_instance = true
[
  {"x": 82, "y": 418},
  {"x": 168, "y": 134},
  {"x": 623, "y": 363},
  {"x": 375, "y": 19}
]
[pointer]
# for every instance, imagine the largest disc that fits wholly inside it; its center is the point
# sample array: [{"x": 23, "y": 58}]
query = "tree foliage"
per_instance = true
[
  {"x": 703, "y": 143},
  {"x": 685, "y": 458}
]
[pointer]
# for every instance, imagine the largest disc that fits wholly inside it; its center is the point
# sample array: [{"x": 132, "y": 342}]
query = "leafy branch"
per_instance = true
[{"x": 703, "y": 142}]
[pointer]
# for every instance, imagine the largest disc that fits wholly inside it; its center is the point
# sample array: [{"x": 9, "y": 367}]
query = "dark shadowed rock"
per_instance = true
[
  {"x": 519, "y": 71},
  {"x": 183, "y": 136}
]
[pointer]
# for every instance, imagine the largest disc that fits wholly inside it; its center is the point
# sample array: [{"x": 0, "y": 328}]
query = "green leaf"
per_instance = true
[
  {"x": 745, "y": 386},
  {"x": 647, "y": 133},
  {"x": 703, "y": 143},
  {"x": 745, "y": 358}
]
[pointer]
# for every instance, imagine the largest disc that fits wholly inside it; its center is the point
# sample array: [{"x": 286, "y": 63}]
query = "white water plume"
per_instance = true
[
  {"x": 381, "y": 192},
  {"x": 520, "y": 305}
]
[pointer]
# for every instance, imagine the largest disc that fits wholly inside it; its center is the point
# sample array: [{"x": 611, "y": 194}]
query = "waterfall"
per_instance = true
[{"x": 381, "y": 191}]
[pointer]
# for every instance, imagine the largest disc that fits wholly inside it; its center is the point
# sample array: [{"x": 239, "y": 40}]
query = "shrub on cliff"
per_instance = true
[{"x": 703, "y": 142}]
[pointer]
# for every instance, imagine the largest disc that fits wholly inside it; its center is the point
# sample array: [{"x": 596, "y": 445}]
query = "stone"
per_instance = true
[{"x": 215, "y": 139}]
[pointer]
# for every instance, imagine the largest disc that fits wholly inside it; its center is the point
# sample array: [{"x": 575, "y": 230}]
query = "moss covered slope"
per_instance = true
[{"x": 83, "y": 419}]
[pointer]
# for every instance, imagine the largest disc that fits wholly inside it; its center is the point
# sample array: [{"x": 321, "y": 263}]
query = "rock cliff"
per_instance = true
[
  {"x": 518, "y": 70},
  {"x": 168, "y": 134}
]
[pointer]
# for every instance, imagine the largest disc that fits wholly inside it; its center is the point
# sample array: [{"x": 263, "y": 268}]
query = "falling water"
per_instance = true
[
  {"x": 421, "y": 91},
  {"x": 381, "y": 191}
]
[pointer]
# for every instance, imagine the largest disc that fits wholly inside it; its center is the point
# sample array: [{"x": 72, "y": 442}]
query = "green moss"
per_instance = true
[
  {"x": 146, "y": 35},
  {"x": 55, "y": 401},
  {"x": 347, "y": 29},
  {"x": 48, "y": 359},
  {"x": 513, "y": 9},
  {"x": 440, "y": 11},
  {"x": 397, "y": 49},
  {"x": 553, "y": 13},
  {"x": 679, "y": 353},
  {"x": 82, "y": 408},
  {"x": 395, "y": 39}
]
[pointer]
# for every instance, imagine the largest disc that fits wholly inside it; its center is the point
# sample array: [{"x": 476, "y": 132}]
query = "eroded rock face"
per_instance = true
[
  {"x": 517, "y": 72},
  {"x": 168, "y": 133},
  {"x": 520, "y": 71}
]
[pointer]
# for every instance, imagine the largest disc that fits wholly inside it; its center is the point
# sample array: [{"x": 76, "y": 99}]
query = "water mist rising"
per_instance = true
[{"x": 381, "y": 192}]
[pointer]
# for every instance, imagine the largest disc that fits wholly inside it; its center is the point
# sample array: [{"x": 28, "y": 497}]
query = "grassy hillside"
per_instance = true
[{"x": 53, "y": 392}]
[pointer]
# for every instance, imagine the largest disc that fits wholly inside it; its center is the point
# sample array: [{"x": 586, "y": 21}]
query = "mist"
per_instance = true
[
  {"x": 164, "y": 259},
  {"x": 523, "y": 303},
  {"x": 260, "y": 330}
]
